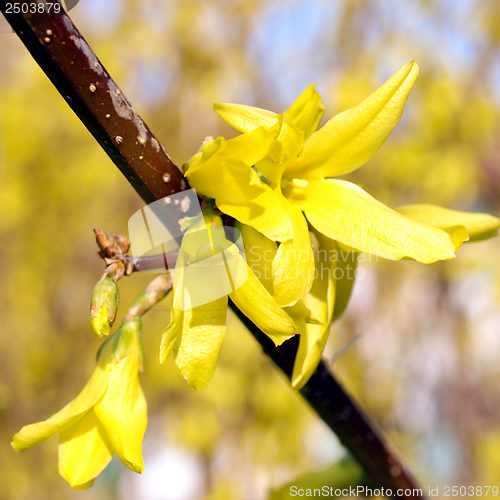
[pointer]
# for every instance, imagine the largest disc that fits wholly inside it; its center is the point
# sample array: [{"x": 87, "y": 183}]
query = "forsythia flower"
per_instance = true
[
  {"x": 109, "y": 415},
  {"x": 280, "y": 169},
  {"x": 196, "y": 333}
]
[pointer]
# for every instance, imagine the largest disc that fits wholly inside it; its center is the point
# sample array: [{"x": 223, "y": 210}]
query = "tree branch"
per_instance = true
[{"x": 74, "y": 69}]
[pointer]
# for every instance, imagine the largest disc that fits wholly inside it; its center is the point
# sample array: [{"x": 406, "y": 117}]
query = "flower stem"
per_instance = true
[{"x": 154, "y": 293}]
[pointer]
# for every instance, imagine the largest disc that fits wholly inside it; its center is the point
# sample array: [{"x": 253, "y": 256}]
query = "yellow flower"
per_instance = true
[
  {"x": 109, "y": 415},
  {"x": 280, "y": 169},
  {"x": 210, "y": 266}
]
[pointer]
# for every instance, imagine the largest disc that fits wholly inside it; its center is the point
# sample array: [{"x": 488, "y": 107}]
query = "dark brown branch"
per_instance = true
[
  {"x": 342, "y": 414},
  {"x": 84, "y": 83},
  {"x": 66, "y": 58}
]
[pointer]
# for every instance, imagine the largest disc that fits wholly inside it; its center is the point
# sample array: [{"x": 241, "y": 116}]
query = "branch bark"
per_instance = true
[{"x": 68, "y": 61}]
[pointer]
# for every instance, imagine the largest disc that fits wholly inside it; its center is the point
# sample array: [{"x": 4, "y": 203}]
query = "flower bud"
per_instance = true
[{"x": 103, "y": 305}]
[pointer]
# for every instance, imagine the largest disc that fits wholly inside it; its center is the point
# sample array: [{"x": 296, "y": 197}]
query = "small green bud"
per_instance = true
[{"x": 103, "y": 305}]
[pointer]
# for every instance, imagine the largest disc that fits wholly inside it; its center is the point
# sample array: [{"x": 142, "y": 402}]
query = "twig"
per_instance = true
[
  {"x": 343, "y": 415},
  {"x": 69, "y": 62},
  {"x": 154, "y": 292},
  {"x": 113, "y": 250}
]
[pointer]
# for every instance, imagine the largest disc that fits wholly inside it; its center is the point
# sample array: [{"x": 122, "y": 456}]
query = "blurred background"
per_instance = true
[{"x": 420, "y": 344}]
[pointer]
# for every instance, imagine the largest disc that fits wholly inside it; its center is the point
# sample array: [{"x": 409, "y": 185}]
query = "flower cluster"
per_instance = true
[{"x": 278, "y": 181}]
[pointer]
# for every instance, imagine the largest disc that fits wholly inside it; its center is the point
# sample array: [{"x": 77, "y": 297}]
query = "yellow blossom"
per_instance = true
[
  {"x": 280, "y": 170},
  {"x": 196, "y": 332},
  {"x": 108, "y": 416}
]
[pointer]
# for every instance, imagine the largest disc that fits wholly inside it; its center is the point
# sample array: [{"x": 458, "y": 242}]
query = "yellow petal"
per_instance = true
[
  {"x": 306, "y": 112},
  {"x": 245, "y": 118},
  {"x": 84, "y": 486},
  {"x": 246, "y": 148},
  {"x": 201, "y": 342},
  {"x": 31, "y": 435},
  {"x": 83, "y": 452},
  {"x": 123, "y": 410},
  {"x": 266, "y": 213},
  {"x": 209, "y": 147},
  {"x": 286, "y": 148},
  {"x": 479, "y": 226},
  {"x": 239, "y": 192},
  {"x": 350, "y": 138},
  {"x": 100, "y": 321},
  {"x": 195, "y": 333},
  {"x": 259, "y": 253},
  {"x": 345, "y": 274},
  {"x": 344, "y": 212},
  {"x": 315, "y": 327},
  {"x": 255, "y": 302},
  {"x": 293, "y": 266},
  {"x": 172, "y": 334}
]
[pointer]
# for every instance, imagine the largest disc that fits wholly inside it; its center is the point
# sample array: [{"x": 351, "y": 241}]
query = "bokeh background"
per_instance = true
[{"x": 419, "y": 345}]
